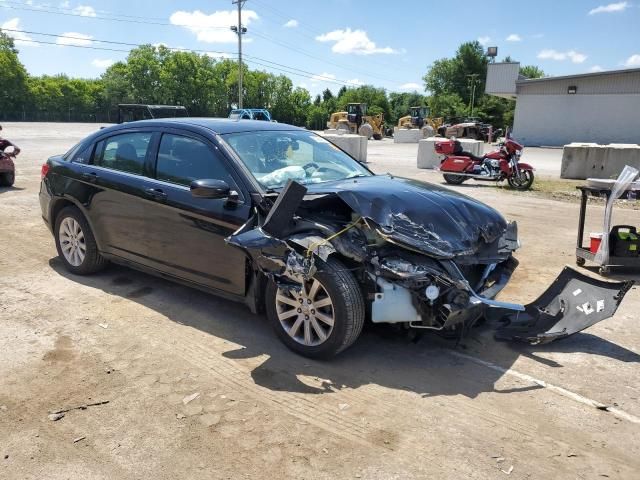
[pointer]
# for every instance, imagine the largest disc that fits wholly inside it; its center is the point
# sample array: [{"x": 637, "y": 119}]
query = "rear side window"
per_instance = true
[
  {"x": 182, "y": 160},
  {"x": 126, "y": 152},
  {"x": 84, "y": 156}
]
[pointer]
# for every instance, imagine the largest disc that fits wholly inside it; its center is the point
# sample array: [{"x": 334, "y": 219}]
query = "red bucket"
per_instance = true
[{"x": 596, "y": 240}]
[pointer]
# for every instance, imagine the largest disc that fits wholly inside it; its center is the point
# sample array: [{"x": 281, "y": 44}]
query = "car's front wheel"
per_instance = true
[
  {"x": 76, "y": 244},
  {"x": 320, "y": 317}
]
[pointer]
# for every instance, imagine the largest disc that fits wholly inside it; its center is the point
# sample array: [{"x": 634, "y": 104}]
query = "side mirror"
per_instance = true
[{"x": 210, "y": 188}]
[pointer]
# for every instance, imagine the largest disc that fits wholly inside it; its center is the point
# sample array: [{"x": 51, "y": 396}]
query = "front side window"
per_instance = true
[
  {"x": 273, "y": 157},
  {"x": 182, "y": 160},
  {"x": 126, "y": 152}
]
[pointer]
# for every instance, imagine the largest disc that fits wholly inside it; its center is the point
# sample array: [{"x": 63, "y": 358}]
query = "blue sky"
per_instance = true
[{"x": 332, "y": 42}]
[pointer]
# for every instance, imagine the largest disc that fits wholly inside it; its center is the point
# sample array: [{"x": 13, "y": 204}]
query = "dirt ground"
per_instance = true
[{"x": 198, "y": 387}]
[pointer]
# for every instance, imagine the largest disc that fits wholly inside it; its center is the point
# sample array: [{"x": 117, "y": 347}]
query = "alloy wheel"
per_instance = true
[
  {"x": 72, "y": 242},
  {"x": 306, "y": 313}
]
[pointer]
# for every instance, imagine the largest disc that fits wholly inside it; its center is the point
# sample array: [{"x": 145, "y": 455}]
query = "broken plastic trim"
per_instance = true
[{"x": 572, "y": 303}]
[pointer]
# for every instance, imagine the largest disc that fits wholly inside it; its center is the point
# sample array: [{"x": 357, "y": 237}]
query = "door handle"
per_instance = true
[
  {"x": 90, "y": 177},
  {"x": 156, "y": 193}
]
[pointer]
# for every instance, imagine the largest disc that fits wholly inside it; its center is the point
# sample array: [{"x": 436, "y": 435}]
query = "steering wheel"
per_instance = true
[{"x": 310, "y": 165}]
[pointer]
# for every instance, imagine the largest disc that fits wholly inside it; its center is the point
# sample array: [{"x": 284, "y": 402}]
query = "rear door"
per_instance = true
[
  {"x": 186, "y": 234},
  {"x": 119, "y": 173}
]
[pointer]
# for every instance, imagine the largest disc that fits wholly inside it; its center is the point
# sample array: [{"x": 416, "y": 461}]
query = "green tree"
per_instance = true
[
  {"x": 401, "y": 103},
  {"x": 13, "y": 80},
  {"x": 451, "y": 75},
  {"x": 531, "y": 71}
]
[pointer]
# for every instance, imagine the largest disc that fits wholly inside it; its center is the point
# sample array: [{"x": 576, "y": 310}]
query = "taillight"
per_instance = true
[{"x": 44, "y": 171}]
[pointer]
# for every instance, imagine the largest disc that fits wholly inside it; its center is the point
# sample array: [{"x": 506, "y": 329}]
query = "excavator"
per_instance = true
[
  {"x": 356, "y": 120},
  {"x": 419, "y": 118}
]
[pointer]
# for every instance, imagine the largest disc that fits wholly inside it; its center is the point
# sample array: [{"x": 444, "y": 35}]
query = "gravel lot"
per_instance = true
[{"x": 386, "y": 408}]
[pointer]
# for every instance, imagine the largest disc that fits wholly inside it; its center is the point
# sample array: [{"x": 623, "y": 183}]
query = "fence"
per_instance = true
[{"x": 70, "y": 115}]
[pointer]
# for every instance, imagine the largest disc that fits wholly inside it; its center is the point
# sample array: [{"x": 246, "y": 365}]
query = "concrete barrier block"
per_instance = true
[
  {"x": 354, "y": 145},
  {"x": 428, "y": 158},
  {"x": 582, "y": 161},
  {"x": 405, "y": 135}
]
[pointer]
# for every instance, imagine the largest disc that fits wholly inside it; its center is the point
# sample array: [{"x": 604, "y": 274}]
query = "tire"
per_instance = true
[
  {"x": 524, "y": 183},
  {"x": 72, "y": 227},
  {"x": 7, "y": 179},
  {"x": 580, "y": 261},
  {"x": 344, "y": 127},
  {"x": 453, "y": 179},
  {"x": 366, "y": 130},
  {"x": 347, "y": 310}
]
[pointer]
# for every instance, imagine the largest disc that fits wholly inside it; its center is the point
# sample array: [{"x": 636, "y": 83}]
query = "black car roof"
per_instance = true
[{"x": 216, "y": 125}]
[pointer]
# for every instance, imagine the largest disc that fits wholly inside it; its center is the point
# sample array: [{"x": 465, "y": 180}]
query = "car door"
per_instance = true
[
  {"x": 186, "y": 234},
  {"x": 118, "y": 172}
]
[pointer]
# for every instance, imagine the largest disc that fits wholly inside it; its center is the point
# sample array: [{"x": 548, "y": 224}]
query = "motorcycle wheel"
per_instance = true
[
  {"x": 521, "y": 182},
  {"x": 7, "y": 179},
  {"x": 453, "y": 179}
]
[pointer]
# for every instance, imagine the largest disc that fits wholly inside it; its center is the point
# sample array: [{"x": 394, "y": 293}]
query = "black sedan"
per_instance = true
[{"x": 281, "y": 219}]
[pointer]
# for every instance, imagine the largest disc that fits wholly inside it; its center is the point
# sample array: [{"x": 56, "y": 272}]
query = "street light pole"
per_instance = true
[{"x": 239, "y": 30}]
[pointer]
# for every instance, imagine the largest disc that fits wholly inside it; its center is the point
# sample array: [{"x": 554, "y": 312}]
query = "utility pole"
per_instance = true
[
  {"x": 239, "y": 30},
  {"x": 473, "y": 81}
]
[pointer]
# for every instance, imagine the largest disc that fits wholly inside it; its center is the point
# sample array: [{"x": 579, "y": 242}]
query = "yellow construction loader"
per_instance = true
[
  {"x": 419, "y": 118},
  {"x": 356, "y": 120}
]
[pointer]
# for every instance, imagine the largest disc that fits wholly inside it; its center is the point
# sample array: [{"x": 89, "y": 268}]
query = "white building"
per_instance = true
[{"x": 600, "y": 107}]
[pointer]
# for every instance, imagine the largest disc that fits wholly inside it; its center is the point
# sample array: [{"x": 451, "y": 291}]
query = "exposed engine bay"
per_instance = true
[{"x": 436, "y": 264}]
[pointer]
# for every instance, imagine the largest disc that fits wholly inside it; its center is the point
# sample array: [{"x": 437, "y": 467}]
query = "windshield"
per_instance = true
[{"x": 273, "y": 157}]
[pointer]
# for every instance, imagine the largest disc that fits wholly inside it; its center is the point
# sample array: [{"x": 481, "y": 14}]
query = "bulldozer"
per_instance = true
[
  {"x": 419, "y": 118},
  {"x": 356, "y": 120}
]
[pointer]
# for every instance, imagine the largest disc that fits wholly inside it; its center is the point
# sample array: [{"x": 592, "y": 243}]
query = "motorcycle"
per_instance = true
[
  {"x": 502, "y": 164},
  {"x": 7, "y": 166}
]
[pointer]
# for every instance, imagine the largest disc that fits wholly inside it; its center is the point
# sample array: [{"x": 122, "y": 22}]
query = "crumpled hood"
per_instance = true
[{"x": 426, "y": 217}]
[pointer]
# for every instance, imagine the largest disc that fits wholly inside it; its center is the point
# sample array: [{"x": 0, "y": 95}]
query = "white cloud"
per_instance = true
[
  {"x": 353, "y": 41},
  {"x": 596, "y": 68},
  {"x": 612, "y": 7},
  {"x": 102, "y": 63},
  {"x": 74, "y": 38},
  {"x": 410, "y": 86},
  {"x": 291, "y": 24},
  {"x": 356, "y": 82},
  {"x": 633, "y": 61},
  {"x": 514, "y": 37},
  {"x": 65, "y": 4},
  {"x": 84, "y": 11},
  {"x": 218, "y": 55},
  {"x": 484, "y": 41},
  {"x": 19, "y": 38},
  {"x": 551, "y": 54},
  {"x": 324, "y": 76},
  {"x": 213, "y": 28}
]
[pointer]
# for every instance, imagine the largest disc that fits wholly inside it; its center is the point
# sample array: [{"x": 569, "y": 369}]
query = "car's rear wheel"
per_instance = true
[
  {"x": 320, "y": 317},
  {"x": 76, "y": 244}
]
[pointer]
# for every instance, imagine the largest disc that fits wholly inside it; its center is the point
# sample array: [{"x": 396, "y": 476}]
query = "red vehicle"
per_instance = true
[
  {"x": 7, "y": 167},
  {"x": 502, "y": 164}
]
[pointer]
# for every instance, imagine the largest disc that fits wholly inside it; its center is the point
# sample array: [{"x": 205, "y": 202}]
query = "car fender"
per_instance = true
[{"x": 55, "y": 207}]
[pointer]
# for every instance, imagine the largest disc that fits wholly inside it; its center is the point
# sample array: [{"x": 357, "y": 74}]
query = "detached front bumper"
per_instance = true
[{"x": 572, "y": 303}]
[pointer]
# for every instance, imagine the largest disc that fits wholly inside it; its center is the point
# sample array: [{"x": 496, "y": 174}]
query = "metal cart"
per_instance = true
[{"x": 583, "y": 254}]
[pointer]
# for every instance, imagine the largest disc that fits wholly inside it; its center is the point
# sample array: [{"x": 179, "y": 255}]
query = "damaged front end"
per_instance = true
[{"x": 424, "y": 257}]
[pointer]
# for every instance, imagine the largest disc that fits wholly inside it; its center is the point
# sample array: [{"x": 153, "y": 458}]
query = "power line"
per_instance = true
[
  {"x": 130, "y": 19},
  {"x": 254, "y": 60},
  {"x": 114, "y": 18}
]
